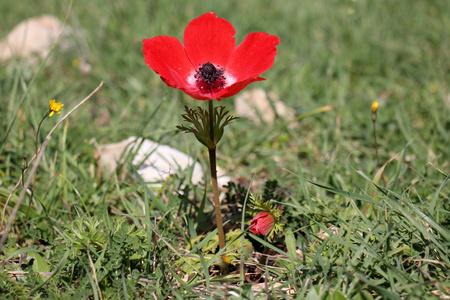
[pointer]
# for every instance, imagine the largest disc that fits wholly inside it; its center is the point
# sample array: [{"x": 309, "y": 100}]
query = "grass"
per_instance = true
[{"x": 350, "y": 231}]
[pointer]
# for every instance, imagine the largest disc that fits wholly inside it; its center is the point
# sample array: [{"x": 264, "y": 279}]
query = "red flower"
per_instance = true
[
  {"x": 209, "y": 66},
  {"x": 263, "y": 222}
]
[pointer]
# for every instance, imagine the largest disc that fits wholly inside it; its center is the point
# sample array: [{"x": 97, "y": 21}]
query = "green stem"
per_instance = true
[
  {"x": 215, "y": 187},
  {"x": 375, "y": 140},
  {"x": 37, "y": 132},
  {"x": 34, "y": 180}
]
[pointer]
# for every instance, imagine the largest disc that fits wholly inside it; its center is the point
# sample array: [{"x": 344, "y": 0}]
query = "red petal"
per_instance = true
[
  {"x": 253, "y": 56},
  {"x": 266, "y": 224},
  {"x": 166, "y": 56},
  {"x": 263, "y": 223},
  {"x": 196, "y": 94},
  {"x": 238, "y": 86},
  {"x": 254, "y": 229},
  {"x": 209, "y": 38}
]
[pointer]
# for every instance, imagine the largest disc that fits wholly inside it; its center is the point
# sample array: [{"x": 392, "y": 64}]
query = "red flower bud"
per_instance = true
[{"x": 263, "y": 223}]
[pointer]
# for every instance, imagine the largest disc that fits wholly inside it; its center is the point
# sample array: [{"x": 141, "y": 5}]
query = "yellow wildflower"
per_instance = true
[
  {"x": 76, "y": 62},
  {"x": 55, "y": 107},
  {"x": 226, "y": 259},
  {"x": 374, "y": 106}
]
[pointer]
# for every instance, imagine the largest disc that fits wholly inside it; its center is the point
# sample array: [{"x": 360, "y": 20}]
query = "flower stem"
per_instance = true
[
  {"x": 37, "y": 133},
  {"x": 375, "y": 141},
  {"x": 213, "y": 168}
]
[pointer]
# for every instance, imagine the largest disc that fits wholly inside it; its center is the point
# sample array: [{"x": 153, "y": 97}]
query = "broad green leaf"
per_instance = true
[
  {"x": 290, "y": 244},
  {"x": 313, "y": 295},
  {"x": 337, "y": 295},
  {"x": 39, "y": 264}
]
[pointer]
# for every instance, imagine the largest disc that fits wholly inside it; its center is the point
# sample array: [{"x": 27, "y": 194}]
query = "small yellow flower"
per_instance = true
[
  {"x": 55, "y": 107},
  {"x": 374, "y": 106},
  {"x": 76, "y": 62},
  {"x": 226, "y": 259}
]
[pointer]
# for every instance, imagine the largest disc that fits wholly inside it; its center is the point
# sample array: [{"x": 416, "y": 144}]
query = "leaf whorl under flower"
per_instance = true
[{"x": 199, "y": 118}]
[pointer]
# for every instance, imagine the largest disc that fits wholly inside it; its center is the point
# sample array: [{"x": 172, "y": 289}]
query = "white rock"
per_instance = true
[
  {"x": 256, "y": 106},
  {"x": 32, "y": 36},
  {"x": 154, "y": 161}
]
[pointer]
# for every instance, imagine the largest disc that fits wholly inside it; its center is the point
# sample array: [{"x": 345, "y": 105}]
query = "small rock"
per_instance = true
[
  {"x": 256, "y": 106},
  {"x": 34, "y": 38},
  {"x": 155, "y": 162}
]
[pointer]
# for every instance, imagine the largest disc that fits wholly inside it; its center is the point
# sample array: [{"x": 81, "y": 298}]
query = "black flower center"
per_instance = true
[{"x": 209, "y": 78}]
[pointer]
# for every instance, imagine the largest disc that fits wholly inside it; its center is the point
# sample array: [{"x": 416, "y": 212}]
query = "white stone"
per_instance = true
[
  {"x": 34, "y": 38},
  {"x": 154, "y": 161},
  {"x": 256, "y": 106}
]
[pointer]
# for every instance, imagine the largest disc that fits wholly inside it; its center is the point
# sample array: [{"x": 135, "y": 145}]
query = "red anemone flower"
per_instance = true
[
  {"x": 210, "y": 66},
  {"x": 263, "y": 223}
]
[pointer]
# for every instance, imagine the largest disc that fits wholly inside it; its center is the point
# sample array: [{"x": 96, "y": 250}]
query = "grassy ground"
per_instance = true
[{"x": 349, "y": 232}]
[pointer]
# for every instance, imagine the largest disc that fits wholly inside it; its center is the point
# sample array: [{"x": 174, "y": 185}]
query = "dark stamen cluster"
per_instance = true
[{"x": 209, "y": 78}]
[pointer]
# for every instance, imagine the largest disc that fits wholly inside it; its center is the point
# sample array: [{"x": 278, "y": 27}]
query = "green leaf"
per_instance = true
[
  {"x": 379, "y": 173},
  {"x": 291, "y": 244},
  {"x": 337, "y": 295},
  {"x": 39, "y": 264},
  {"x": 363, "y": 295},
  {"x": 432, "y": 205},
  {"x": 313, "y": 295}
]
